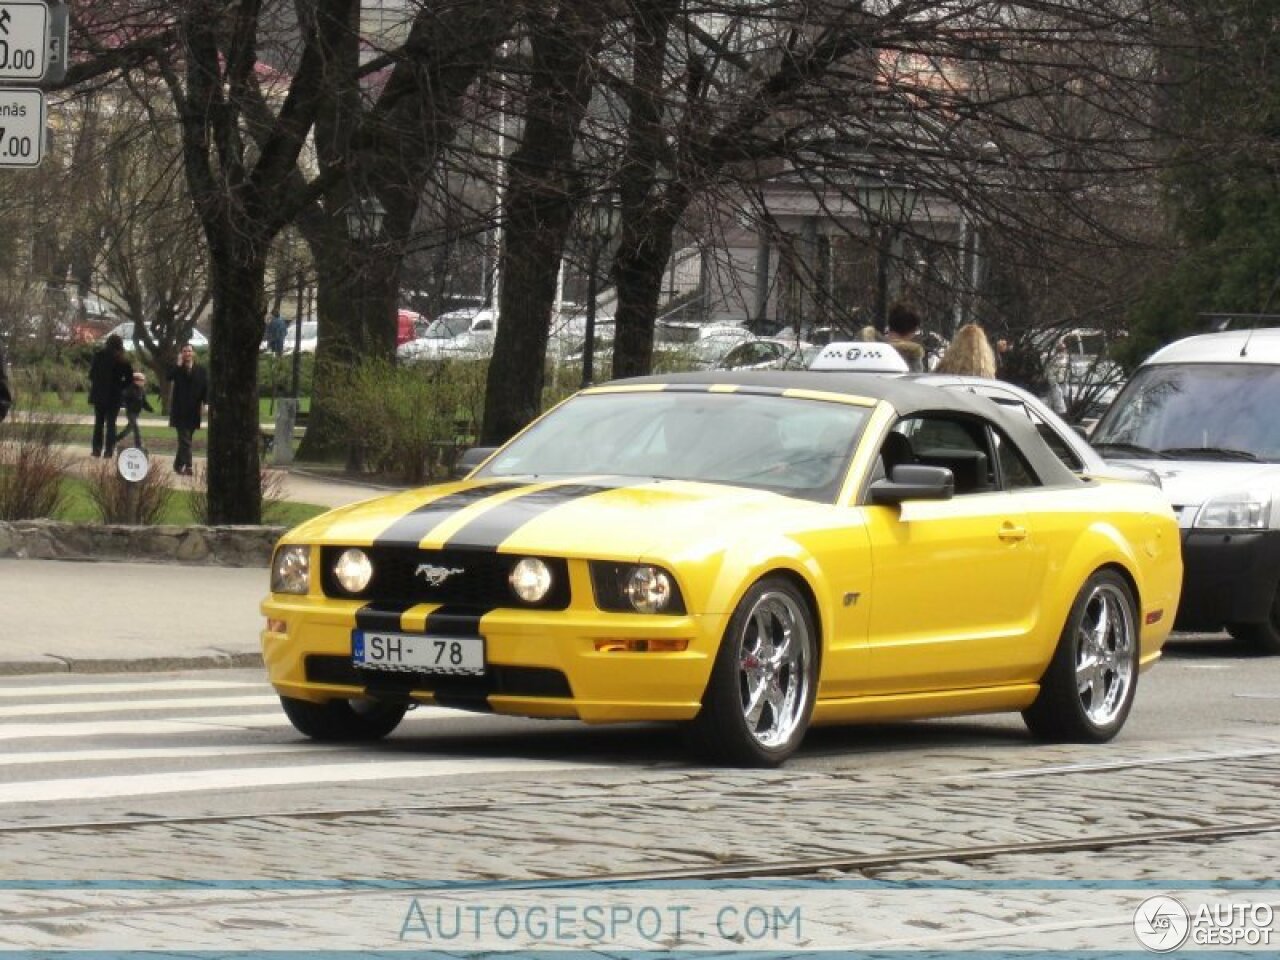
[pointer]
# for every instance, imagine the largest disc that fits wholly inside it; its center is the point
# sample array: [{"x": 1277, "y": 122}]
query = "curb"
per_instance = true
[{"x": 54, "y": 664}]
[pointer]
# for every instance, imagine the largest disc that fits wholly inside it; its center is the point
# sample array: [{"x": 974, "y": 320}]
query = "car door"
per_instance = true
[{"x": 954, "y": 582}]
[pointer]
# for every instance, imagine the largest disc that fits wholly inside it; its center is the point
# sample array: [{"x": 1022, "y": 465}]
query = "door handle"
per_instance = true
[{"x": 1011, "y": 533}]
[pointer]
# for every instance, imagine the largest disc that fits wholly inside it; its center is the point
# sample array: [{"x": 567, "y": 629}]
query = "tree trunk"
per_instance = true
[
  {"x": 639, "y": 269},
  {"x": 239, "y": 283},
  {"x": 539, "y": 211}
]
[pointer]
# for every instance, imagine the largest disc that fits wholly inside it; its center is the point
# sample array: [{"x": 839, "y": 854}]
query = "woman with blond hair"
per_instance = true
[{"x": 969, "y": 355}]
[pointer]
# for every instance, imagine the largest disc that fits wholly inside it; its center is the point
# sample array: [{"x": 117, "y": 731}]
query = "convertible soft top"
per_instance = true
[{"x": 907, "y": 397}]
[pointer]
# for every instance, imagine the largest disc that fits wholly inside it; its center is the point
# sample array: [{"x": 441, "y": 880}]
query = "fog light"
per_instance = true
[
  {"x": 530, "y": 579},
  {"x": 353, "y": 570},
  {"x": 277, "y": 626},
  {"x": 649, "y": 590}
]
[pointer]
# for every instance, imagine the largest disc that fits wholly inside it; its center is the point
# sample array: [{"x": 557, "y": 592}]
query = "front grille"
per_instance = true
[
  {"x": 513, "y": 681},
  {"x": 476, "y": 579}
]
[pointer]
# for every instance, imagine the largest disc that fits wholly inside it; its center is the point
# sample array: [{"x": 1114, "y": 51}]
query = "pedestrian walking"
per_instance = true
[
  {"x": 6, "y": 393},
  {"x": 276, "y": 331},
  {"x": 970, "y": 354},
  {"x": 135, "y": 401},
  {"x": 109, "y": 373},
  {"x": 190, "y": 389}
]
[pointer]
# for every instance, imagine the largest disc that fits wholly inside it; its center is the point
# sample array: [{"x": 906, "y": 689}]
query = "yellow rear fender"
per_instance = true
[{"x": 1101, "y": 545}]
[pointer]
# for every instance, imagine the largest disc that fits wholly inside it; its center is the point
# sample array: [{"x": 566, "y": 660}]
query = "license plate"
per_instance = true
[{"x": 417, "y": 653}]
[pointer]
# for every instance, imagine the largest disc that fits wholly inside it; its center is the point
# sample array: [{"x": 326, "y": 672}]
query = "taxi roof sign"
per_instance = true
[{"x": 860, "y": 356}]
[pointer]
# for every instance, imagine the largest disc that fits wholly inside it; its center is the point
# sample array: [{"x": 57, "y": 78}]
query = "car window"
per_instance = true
[
  {"x": 1014, "y": 469},
  {"x": 788, "y": 445},
  {"x": 960, "y": 444},
  {"x": 1052, "y": 438}
]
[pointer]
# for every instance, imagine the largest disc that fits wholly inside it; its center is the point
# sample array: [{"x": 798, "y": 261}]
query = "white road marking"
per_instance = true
[
  {"x": 41, "y": 758},
  {"x": 88, "y": 729},
  {"x": 138, "y": 686},
  {"x": 130, "y": 706},
  {"x": 190, "y": 781}
]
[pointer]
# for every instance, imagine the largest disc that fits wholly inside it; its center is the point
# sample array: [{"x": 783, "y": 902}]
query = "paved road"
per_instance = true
[{"x": 218, "y": 788}]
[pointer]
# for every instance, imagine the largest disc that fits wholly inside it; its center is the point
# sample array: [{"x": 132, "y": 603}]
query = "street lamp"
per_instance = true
[
  {"x": 364, "y": 218},
  {"x": 887, "y": 207},
  {"x": 602, "y": 224}
]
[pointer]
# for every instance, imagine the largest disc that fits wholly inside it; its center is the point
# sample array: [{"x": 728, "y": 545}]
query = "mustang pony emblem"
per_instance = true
[{"x": 436, "y": 575}]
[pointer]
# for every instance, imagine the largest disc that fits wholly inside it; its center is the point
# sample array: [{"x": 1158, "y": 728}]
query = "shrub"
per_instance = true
[
  {"x": 275, "y": 374},
  {"x": 270, "y": 482},
  {"x": 410, "y": 420},
  {"x": 32, "y": 449},
  {"x": 110, "y": 494}
]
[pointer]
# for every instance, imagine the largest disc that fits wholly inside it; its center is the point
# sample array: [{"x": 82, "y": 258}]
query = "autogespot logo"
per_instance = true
[{"x": 1161, "y": 924}]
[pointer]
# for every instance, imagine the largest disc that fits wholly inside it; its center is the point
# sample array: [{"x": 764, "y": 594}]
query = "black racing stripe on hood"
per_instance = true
[
  {"x": 381, "y": 616},
  {"x": 455, "y": 621},
  {"x": 415, "y": 525},
  {"x": 492, "y": 527}
]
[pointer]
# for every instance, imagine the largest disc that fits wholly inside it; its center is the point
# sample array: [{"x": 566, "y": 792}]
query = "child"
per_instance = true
[{"x": 135, "y": 401}]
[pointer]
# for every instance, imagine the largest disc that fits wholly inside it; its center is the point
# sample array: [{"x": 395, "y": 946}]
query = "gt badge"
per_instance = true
[{"x": 435, "y": 575}]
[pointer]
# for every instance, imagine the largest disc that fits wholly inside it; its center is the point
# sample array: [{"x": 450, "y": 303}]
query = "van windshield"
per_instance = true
[{"x": 1195, "y": 411}]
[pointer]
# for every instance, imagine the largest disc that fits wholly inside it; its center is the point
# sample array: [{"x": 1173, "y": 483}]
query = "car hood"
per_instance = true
[
  {"x": 607, "y": 517},
  {"x": 1189, "y": 483}
]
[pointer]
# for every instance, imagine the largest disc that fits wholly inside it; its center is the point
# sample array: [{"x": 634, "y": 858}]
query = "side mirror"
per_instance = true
[
  {"x": 469, "y": 459},
  {"x": 914, "y": 482}
]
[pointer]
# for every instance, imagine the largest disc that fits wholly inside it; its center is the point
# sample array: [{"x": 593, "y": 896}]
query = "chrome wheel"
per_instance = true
[
  {"x": 1105, "y": 639},
  {"x": 774, "y": 649}
]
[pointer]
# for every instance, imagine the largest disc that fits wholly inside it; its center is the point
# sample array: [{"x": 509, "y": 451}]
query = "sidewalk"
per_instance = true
[{"x": 58, "y": 616}]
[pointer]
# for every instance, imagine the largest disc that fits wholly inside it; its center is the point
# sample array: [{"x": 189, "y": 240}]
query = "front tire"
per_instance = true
[
  {"x": 1264, "y": 636},
  {"x": 1088, "y": 689},
  {"x": 760, "y": 696},
  {"x": 339, "y": 720}
]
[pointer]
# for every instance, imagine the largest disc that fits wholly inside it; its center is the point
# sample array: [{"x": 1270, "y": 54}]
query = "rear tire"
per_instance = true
[
  {"x": 1264, "y": 636},
  {"x": 1088, "y": 689},
  {"x": 760, "y": 696},
  {"x": 338, "y": 720}
]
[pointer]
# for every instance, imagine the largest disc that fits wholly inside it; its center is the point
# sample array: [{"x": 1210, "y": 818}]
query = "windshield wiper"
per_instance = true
[
  {"x": 1208, "y": 453},
  {"x": 1132, "y": 449}
]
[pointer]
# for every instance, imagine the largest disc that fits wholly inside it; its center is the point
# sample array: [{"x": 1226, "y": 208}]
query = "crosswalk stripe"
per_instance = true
[
  {"x": 56, "y": 690},
  {"x": 130, "y": 706},
  {"x": 86, "y": 729},
  {"x": 190, "y": 781},
  {"x": 193, "y": 753}
]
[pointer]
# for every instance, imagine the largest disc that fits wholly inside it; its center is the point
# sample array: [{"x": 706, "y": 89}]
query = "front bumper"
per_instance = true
[
  {"x": 1227, "y": 578},
  {"x": 538, "y": 663}
]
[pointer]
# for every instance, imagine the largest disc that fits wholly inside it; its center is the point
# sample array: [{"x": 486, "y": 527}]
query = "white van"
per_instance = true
[{"x": 1204, "y": 414}]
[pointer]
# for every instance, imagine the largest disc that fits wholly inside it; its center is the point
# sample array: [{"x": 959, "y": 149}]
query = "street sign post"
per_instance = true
[
  {"x": 25, "y": 27},
  {"x": 22, "y": 124}
]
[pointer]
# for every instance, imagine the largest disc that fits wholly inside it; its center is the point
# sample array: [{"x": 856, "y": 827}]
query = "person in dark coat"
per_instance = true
[
  {"x": 135, "y": 401},
  {"x": 109, "y": 373},
  {"x": 6, "y": 393},
  {"x": 186, "y": 402}
]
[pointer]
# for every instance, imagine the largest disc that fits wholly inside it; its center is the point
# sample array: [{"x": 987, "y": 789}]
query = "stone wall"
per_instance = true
[{"x": 216, "y": 546}]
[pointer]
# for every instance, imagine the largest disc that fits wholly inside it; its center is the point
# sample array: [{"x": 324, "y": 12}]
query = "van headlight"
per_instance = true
[
  {"x": 291, "y": 570},
  {"x": 1249, "y": 510}
]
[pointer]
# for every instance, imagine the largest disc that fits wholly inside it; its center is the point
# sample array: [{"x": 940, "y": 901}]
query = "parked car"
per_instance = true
[
  {"x": 460, "y": 333},
  {"x": 741, "y": 553},
  {"x": 1202, "y": 413},
  {"x": 124, "y": 330},
  {"x": 768, "y": 353}
]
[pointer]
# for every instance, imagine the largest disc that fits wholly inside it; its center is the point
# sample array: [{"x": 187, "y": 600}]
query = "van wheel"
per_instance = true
[
  {"x": 1086, "y": 692},
  {"x": 344, "y": 719},
  {"x": 1264, "y": 636}
]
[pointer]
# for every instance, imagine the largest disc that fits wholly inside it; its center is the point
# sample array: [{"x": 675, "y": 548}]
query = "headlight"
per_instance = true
[
  {"x": 353, "y": 570},
  {"x": 1249, "y": 510},
  {"x": 635, "y": 588},
  {"x": 530, "y": 579},
  {"x": 291, "y": 570}
]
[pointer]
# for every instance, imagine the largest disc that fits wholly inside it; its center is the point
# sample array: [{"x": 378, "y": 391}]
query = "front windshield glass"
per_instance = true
[
  {"x": 1194, "y": 410},
  {"x": 788, "y": 445}
]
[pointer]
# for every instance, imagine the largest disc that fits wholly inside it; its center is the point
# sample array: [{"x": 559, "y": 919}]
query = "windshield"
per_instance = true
[
  {"x": 787, "y": 445},
  {"x": 1196, "y": 409},
  {"x": 446, "y": 328}
]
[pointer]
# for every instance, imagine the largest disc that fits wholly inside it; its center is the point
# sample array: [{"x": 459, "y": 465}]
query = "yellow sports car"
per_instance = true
[{"x": 744, "y": 554}]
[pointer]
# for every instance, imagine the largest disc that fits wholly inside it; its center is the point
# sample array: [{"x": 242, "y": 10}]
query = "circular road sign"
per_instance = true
[{"x": 133, "y": 464}]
